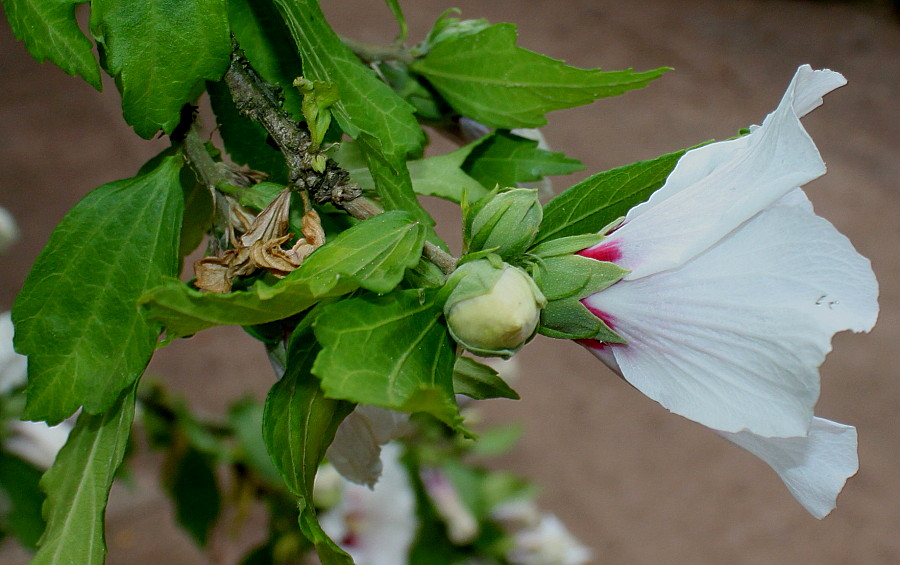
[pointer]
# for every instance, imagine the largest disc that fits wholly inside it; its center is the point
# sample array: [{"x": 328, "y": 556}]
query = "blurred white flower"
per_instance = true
[
  {"x": 547, "y": 543},
  {"x": 13, "y": 366},
  {"x": 9, "y": 233},
  {"x": 376, "y": 526},
  {"x": 734, "y": 292}
]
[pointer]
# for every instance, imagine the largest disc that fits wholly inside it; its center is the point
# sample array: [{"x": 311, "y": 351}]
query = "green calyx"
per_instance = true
[
  {"x": 566, "y": 279},
  {"x": 492, "y": 308}
]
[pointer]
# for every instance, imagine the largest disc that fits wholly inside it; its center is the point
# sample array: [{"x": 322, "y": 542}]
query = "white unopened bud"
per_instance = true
[{"x": 493, "y": 311}]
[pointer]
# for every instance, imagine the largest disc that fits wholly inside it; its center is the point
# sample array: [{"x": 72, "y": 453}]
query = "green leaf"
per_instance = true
[
  {"x": 190, "y": 479},
  {"x": 299, "y": 424},
  {"x": 245, "y": 140},
  {"x": 50, "y": 32},
  {"x": 411, "y": 88},
  {"x": 367, "y": 106},
  {"x": 439, "y": 176},
  {"x": 593, "y": 203},
  {"x": 392, "y": 351},
  {"x": 263, "y": 37},
  {"x": 160, "y": 52},
  {"x": 367, "y": 109},
  {"x": 484, "y": 76},
  {"x": 75, "y": 316},
  {"x": 19, "y": 487},
  {"x": 373, "y": 255},
  {"x": 479, "y": 381},
  {"x": 505, "y": 159},
  {"x": 77, "y": 487}
]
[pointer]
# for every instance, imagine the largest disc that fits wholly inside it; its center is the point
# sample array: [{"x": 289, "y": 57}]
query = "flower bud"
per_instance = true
[
  {"x": 493, "y": 308},
  {"x": 507, "y": 223}
]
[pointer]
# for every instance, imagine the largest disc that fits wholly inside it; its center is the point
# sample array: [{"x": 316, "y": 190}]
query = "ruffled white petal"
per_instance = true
[
  {"x": 733, "y": 338},
  {"x": 356, "y": 449},
  {"x": 715, "y": 188},
  {"x": 814, "y": 468}
]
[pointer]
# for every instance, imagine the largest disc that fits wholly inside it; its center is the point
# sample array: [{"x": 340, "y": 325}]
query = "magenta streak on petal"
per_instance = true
[
  {"x": 591, "y": 343},
  {"x": 608, "y": 319},
  {"x": 607, "y": 251}
]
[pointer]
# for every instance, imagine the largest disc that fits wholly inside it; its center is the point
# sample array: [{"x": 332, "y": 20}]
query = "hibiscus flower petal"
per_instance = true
[
  {"x": 715, "y": 188},
  {"x": 814, "y": 468},
  {"x": 733, "y": 338}
]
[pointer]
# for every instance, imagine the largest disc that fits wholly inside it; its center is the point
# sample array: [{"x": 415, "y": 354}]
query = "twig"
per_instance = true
[{"x": 257, "y": 100}]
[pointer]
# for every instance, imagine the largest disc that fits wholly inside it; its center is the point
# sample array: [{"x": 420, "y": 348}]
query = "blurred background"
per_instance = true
[{"x": 632, "y": 481}]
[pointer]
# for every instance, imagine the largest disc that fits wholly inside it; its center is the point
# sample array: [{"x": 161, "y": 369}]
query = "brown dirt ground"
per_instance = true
[{"x": 637, "y": 484}]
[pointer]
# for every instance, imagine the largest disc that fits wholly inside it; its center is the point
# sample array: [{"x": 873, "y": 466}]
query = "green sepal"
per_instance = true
[
  {"x": 565, "y": 280},
  {"x": 477, "y": 380},
  {"x": 565, "y": 245},
  {"x": 567, "y": 276},
  {"x": 570, "y": 319}
]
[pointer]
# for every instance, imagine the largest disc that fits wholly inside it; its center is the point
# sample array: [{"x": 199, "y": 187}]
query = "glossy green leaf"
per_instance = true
[
  {"x": 593, "y": 203},
  {"x": 367, "y": 106},
  {"x": 394, "y": 184},
  {"x": 439, "y": 176},
  {"x": 373, "y": 255},
  {"x": 484, "y": 76},
  {"x": 50, "y": 32},
  {"x": 392, "y": 351},
  {"x": 479, "y": 381},
  {"x": 77, "y": 487},
  {"x": 367, "y": 109},
  {"x": 19, "y": 489},
  {"x": 505, "y": 159},
  {"x": 299, "y": 424},
  {"x": 160, "y": 52},
  {"x": 190, "y": 480},
  {"x": 75, "y": 316},
  {"x": 263, "y": 37}
]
